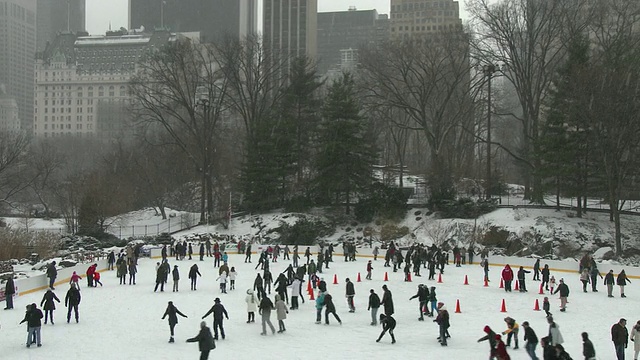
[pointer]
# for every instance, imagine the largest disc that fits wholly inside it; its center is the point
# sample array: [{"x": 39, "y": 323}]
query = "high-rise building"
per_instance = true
[
  {"x": 81, "y": 82},
  {"x": 417, "y": 17},
  {"x": 54, "y": 16},
  {"x": 9, "y": 120},
  {"x": 17, "y": 51},
  {"x": 212, "y": 18},
  {"x": 291, "y": 26},
  {"x": 347, "y": 30}
]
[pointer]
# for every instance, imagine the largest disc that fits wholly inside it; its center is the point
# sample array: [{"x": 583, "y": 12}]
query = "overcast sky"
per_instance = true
[{"x": 102, "y": 12}]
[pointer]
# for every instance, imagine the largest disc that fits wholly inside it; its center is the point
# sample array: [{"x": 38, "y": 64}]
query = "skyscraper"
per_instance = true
[
  {"x": 17, "y": 52},
  {"x": 416, "y": 17},
  {"x": 291, "y": 26},
  {"x": 55, "y": 16},
  {"x": 212, "y": 18}
]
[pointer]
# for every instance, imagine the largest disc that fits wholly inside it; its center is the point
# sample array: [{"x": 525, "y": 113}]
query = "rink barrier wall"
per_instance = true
[
  {"x": 495, "y": 261},
  {"x": 41, "y": 282}
]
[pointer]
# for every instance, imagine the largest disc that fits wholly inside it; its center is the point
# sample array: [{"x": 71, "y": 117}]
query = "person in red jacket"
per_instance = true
[
  {"x": 90, "y": 271},
  {"x": 369, "y": 268},
  {"x": 507, "y": 276},
  {"x": 96, "y": 278},
  {"x": 501, "y": 349}
]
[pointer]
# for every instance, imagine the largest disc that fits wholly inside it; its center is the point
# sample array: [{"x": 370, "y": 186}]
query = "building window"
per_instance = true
[{"x": 101, "y": 91}]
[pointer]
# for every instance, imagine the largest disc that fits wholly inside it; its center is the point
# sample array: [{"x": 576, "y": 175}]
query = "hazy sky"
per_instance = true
[{"x": 102, "y": 12}]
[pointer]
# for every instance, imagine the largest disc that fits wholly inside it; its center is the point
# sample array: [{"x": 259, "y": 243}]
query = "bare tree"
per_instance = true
[{"x": 438, "y": 231}]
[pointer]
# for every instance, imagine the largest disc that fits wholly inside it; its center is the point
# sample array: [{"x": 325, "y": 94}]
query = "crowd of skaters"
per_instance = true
[{"x": 296, "y": 274}]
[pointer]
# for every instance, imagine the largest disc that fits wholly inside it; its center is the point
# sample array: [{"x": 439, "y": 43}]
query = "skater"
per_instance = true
[
  {"x": 635, "y": 337},
  {"x": 96, "y": 279},
  {"x": 9, "y": 290},
  {"x": 548, "y": 350},
  {"x": 584, "y": 278},
  {"x": 281, "y": 313},
  {"x": 388, "y": 324},
  {"x": 376, "y": 251},
  {"x": 491, "y": 337},
  {"x": 609, "y": 281},
  {"x": 387, "y": 301},
  {"x": 268, "y": 281},
  {"x": 133, "y": 270},
  {"x": 561, "y": 354},
  {"x": 33, "y": 317},
  {"x": 176, "y": 277},
  {"x": 485, "y": 267},
  {"x": 423, "y": 296},
  {"x": 71, "y": 302},
  {"x": 258, "y": 288},
  {"x": 296, "y": 285},
  {"x": 546, "y": 306},
  {"x": 374, "y": 305},
  {"x": 594, "y": 277},
  {"x": 205, "y": 341},
  {"x": 90, "y": 271},
  {"x": 111, "y": 259},
  {"x": 501, "y": 349},
  {"x": 433, "y": 300},
  {"x": 555, "y": 336},
  {"x": 173, "y": 313},
  {"x": 52, "y": 273},
  {"x": 75, "y": 279},
  {"x": 232, "y": 278},
  {"x": 247, "y": 257},
  {"x": 330, "y": 308},
  {"x": 319, "y": 306},
  {"x": 48, "y": 305},
  {"x": 512, "y": 331},
  {"x": 443, "y": 323},
  {"x": 194, "y": 272},
  {"x": 620, "y": 337},
  {"x": 201, "y": 252},
  {"x": 588, "y": 350},
  {"x": 552, "y": 284},
  {"x": 223, "y": 285},
  {"x": 190, "y": 251},
  {"x": 351, "y": 292},
  {"x": 121, "y": 271},
  {"x": 563, "y": 289},
  {"x": 507, "y": 276},
  {"x": 536, "y": 270},
  {"x": 161, "y": 275},
  {"x": 252, "y": 306},
  {"x": 622, "y": 281},
  {"x": 218, "y": 311},
  {"x": 531, "y": 340},
  {"x": 369, "y": 268},
  {"x": 265, "y": 312},
  {"x": 521, "y": 279},
  {"x": 545, "y": 277}
]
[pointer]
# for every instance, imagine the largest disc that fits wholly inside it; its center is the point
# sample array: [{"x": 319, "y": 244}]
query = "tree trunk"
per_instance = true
[
  {"x": 210, "y": 214},
  {"x": 163, "y": 212},
  {"x": 579, "y": 209},
  {"x": 203, "y": 189}
]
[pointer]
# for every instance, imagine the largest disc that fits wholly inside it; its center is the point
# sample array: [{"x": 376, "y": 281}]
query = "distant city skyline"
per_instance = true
[{"x": 102, "y": 13}]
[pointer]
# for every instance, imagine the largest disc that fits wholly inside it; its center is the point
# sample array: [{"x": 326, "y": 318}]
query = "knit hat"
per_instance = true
[
  {"x": 487, "y": 329},
  {"x": 440, "y": 304},
  {"x": 217, "y": 300}
]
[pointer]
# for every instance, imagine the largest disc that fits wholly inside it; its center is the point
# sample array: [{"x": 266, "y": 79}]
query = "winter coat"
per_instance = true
[
  {"x": 204, "y": 339},
  {"x": 507, "y": 273},
  {"x": 545, "y": 274},
  {"x": 223, "y": 269},
  {"x": 588, "y": 350},
  {"x": 194, "y": 272},
  {"x": 74, "y": 278},
  {"x": 73, "y": 297},
  {"x": 122, "y": 269},
  {"x": 32, "y": 317},
  {"x": 312, "y": 268},
  {"x": 52, "y": 272},
  {"x": 388, "y": 323},
  {"x": 522, "y": 273},
  {"x": 374, "y": 301},
  {"x": 233, "y": 275},
  {"x": 133, "y": 269},
  {"x": 584, "y": 275},
  {"x": 173, "y": 313},
  {"x": 218, "y": 310},
  {"x": 350, "y": 289},
  {"x": 609, "y": 279},
  {"x": 322, "y": 286},
  {"x": 443, "y": 317},
  {"x": 320, "y": 301},
  {"x": 252, "y": 301},
  {"x": 387, "y": 302},
  {"x": 10, "y": 287},
  {"x": 635, "y": 337},
  {"x": 281, "y": 309},
  {"x": 622, "y": 279},
  {"x": 265, "y": 307},
  {"x": 295, "y": 287},
  {"x": 563, "y": 289},
  {"x": 501, "y": 350},
  {"x": 422, "y": 294},
  {"x": 564, "y": 356},
  {"x": 530, "y": 335},
  {"x": 257, "y": 283},
  {"x": 555, "y": 336},
  {"x": 491, "y": 336},
  {"x": 328, "y": 302},
  {"x": 619, "y": 334},
  {"x": 176, "y": 274},
  {"x": 47, "y": 302},
  {"x": 222, "y": 278}
]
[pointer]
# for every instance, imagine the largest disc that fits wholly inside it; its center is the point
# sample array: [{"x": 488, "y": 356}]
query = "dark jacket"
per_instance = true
[
  {"x": 609, "y": 279},
  {"x": 322, "y": 286},
  {"x": 52, "y": 272},
  {"x": 10, "y": 288},
  {"x": 422, "y": 294},
  {"x": 350, "y": 289},
  {"x": 530, "y": 335},
  {"x": 73, "y": 297},
  {"x": 619, "y": 334},
  {"x": 388, "y": 323},
  {"x": 32, "y": 317},
  {"x": 443, "y": 318},
  {"x": 47, "y": 302},
  {"x": 176, "y": 274},
  {"x": 622, "y": 279},
  {"x": 491, "y": 336},
  {"x": 374, "y": 301},
  {"x": 218, "y": 310},
  {"x": 173, "y": 313},
  {"x": 387, "y": 302},
  {"x": 563, "y": 289},
  {"x": 328, "y": 302},
  {"x": 204, "y": 339},
  {"x": 587, "y": 349},
  {"x": 265, "y": 305},
  {"x": 194, "y": 271},
  {"x": 522, "y": 273}
]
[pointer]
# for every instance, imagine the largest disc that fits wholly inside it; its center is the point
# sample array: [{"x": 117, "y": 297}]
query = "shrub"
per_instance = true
[
  {"x": 303, "y": 232},
  {"x": 465, "y": 208},
  {"x": 298, "y": 204},
  {"x": 382, "y": 201},
  {"x": 19, "y": 244},
  {"x": 392, "y": 231}
]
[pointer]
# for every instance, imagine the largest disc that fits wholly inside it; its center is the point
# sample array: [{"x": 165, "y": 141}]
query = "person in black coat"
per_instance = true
[
  {"x": 258, "y": 287},
  {"x": 71, "y": 301},
  {"x": 531, "y": 340},
  {"x": 350, "y": 292},
  {"x": 387, "y": 301},
  {"x": 388, "y": 324},
  {"x": 205, "y": 341},
  {"x": 111, "y": 259},
  {"x": 52, "y": 273},
  {"x": 545, "y": 277},
  {"x": 330, "y": 308},
  {"x": 9, "y": 290},
  {"x": 193, "y": 276},
  {"x": 443, "y": 323},
  {"x": 521, "y": 279},
  {"x": 588, "y": 350},
  {"x": 173, "y": 313},
  {"x": 548, "y": 350},
  {"x": 32, "y": 317},
  {"x": 281, "y": 287},
  {"x": 563, "y": 289},
  {"x": 374, "y": 305},
  {"x": 49, "y": 305},
  {"x": 423, "y": 296},
  {"x": 322, "y": 285},
  {"x": 218, "y": 311},
  {"x": 491, "y": 337}
]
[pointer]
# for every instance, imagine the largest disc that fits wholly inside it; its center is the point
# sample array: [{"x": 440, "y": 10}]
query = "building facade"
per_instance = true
[
  {"x": 212, "y": 18},
  {"x": 291, "y": 27},
  {"x": 347, "y": 30},
  {"x": 419, "y": 17},
  {"x": 9, "y": 120},
  {"x": 54, "y": 16},
  {"x": 81, "y": 83},
  {"x": 17, "y": 50}
]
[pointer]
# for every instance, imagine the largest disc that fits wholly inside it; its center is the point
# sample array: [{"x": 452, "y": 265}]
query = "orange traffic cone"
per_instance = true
[
  {"x": 359, "y": 280},
  {"x": 537, "y": 306},
  {"x": 541, "y": 290},
  {"x": 335, "y": 279},
  {"x": 311, "y": 297},
  {"x": 504, "y": 306},
  {"x": 458, "y": 306},
  {"x": 486, "y": 282},
  {"x": 309, "y": 288},
  {"x": 409, "y": 277},
  {"x": 466, "y": 280},
  {"x": 501, "y": 284},
  {"x": 386, "y": 276},
  {"x": 439, "y": 278},
  {"x": 517, "y": 288}
]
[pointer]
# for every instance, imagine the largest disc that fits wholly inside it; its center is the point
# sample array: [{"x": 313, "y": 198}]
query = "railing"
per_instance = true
[{"x": 170, "y": 225}]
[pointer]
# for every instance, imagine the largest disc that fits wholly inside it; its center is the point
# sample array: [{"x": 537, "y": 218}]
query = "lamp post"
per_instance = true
[
  {"x": 489, "y": 70},
  {"x": 162, "y": 4}
]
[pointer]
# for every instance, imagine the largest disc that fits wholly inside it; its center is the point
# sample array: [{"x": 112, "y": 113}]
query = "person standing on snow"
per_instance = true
[
  {"x": 423, "y": 296},
  {"x": 233, "y": 274},
  {"x": 121, "y": 271},
  {"x": 635, "y": 337},
  {"x": 491, "y": 337},
  {"x": 531, "y": 340},
  {"x": 622, "y": 281},
  {"x": 33, "y": 318},
  {"x": 281, "y": 313},
  {"x": 536, "y": 270},
  {"x": 374, "y": 305},
  {"x": 507, "y": 276},
  {"x": 545, "y": 277},
  {"x": 194, "y": 272},
  {"x": 388, "y": 324},
  {"x": 52, "y": 273},
  {"x": 555, "y": 336},
  {"x": 521, "y": 278},
  {"x": 620, "y": 337},
  {"x": 218, "y": 311},
  {"x": 176, "y": 277},
  {"x": 350, "y": 293},
  {"x": 588, "y": 350},
  {"x": 252, "y": 306},
  {"x": 133, "y": 270},
  {"x": 512, "y": 331},
  {"x": 9, "y": 290},
  {"x": 295, "y": 292},
  {"x": 71, "y": 302},
  {"x": 387, "y": 301},
  {"x": 443, "y": 323},
  {"x": 173, "y": 313},
  {"x": 205, "y": 341},
  {"x": 330, "y": 308},
  {"x": 48, "y": 305},
  {"x": 609, "y": 281},
  {"x": 584, "y": 278},
  {"x": 265, "y": 312},
  {"x": 563, "y": 289}
]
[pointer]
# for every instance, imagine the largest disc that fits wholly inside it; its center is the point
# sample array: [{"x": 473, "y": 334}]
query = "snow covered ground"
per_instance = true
[{"x": 124, "y": 321}]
